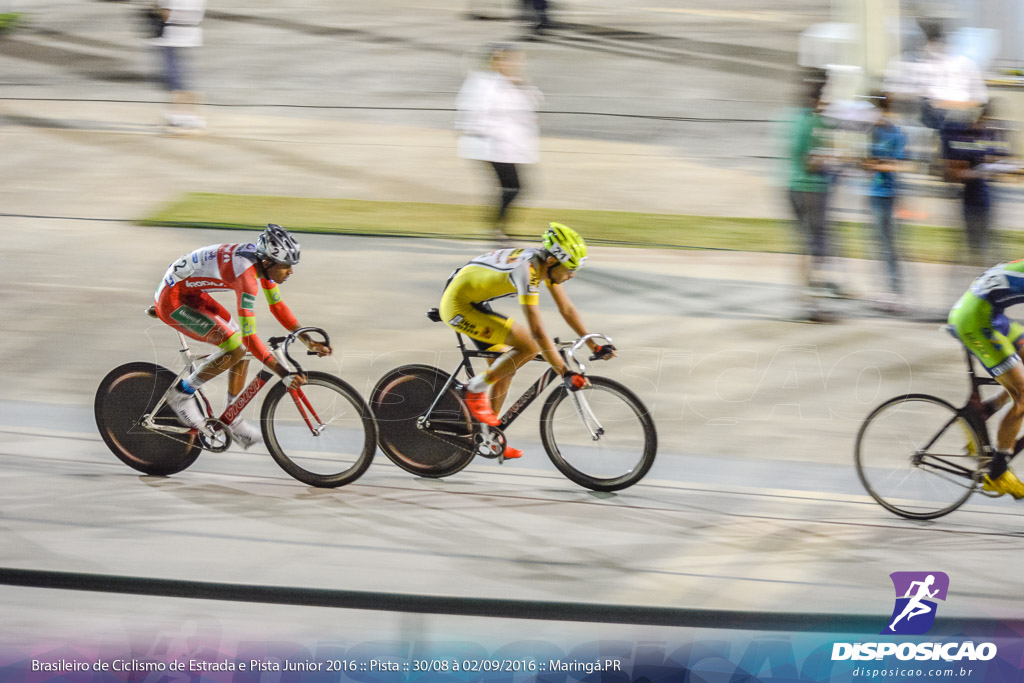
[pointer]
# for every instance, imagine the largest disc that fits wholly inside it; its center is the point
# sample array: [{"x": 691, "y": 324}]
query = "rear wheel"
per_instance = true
[
  {"x": 601, "y": 437},
  {"x": 918, "y": 456},
  {"x": 322, "y": 434},
  {"x": 401, "y": 397},
  {"x": 125, "y": 396}
]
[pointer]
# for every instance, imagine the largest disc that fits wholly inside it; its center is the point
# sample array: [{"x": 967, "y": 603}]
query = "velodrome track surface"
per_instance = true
[{"x": 752, "y": 504}]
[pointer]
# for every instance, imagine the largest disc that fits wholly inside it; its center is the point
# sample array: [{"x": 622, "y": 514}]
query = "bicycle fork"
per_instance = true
[
  {"x": 303, "y": 405},
  {"x": 586, "y": 415}
]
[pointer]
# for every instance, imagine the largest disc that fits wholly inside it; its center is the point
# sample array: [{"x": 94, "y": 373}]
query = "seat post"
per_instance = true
[{"x": 466, "y": 363}]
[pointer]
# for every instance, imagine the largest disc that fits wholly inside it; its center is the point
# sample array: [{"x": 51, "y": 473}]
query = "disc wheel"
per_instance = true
[
  {"x": 126, "y": 395},
  {"x": 400, "y": 399}
]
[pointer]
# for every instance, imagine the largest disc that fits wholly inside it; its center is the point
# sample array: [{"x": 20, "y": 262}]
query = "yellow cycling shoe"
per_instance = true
[{"x": 1007, "y": 482}]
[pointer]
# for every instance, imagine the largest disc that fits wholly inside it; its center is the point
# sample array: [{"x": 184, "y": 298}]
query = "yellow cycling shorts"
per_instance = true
[{"x": 475, "y": 320}]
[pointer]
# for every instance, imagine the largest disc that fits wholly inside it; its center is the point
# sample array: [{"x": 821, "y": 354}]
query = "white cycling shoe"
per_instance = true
[
  {"x": 246, "y": 433},
  {"x": 186, "y": 408}
]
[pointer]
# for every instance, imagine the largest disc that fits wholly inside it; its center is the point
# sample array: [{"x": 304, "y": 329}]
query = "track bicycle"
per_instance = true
[
  {"x": 920, "y": 457},
  {"x": 601, "y": 437},
  {"x": 321, "y": 433}
]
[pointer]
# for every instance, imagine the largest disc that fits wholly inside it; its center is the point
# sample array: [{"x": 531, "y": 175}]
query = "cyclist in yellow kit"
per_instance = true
[{"x": 465, "y": 307}]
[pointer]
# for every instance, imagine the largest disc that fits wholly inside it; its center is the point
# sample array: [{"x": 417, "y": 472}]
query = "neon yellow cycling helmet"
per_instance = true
[{"x": 566, "y": 245}]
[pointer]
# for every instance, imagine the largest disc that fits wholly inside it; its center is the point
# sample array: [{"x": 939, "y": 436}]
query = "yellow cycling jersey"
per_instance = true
[{"x": 498, "y": 274}]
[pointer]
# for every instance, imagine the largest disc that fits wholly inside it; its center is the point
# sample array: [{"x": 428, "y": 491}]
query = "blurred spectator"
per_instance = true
[
  {"x": 535, "y": 14},
  {"x": 950, "y": 86},
  {"x": 496, "y": 111},
  {"x": 885, "y": 159},
  {"x": 809, "y": 184},
  {"x": 181, "y": 32},
  {"x": 971, "y": 152}
]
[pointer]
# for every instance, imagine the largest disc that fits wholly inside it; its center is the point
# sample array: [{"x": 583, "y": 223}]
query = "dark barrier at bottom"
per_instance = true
[{"x": 384, "y": 643}]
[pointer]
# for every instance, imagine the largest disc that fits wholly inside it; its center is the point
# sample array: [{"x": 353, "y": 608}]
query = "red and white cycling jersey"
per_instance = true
[{"x": 224, "y": 267}]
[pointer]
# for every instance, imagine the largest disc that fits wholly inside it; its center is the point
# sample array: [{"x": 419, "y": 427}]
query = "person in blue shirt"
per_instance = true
[{"x": 886, "y": 159}]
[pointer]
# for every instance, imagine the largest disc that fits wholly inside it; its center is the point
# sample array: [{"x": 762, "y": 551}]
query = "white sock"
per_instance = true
[{"x": 477, "y": 384}]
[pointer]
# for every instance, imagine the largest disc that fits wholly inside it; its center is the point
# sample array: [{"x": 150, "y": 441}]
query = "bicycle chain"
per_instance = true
[{"x": 168, "y": 435}]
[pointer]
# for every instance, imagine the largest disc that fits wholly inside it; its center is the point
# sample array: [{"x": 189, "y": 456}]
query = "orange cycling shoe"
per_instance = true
[
  {"x": 512, "y": 453},
  {"x": 480, "y": 407}
]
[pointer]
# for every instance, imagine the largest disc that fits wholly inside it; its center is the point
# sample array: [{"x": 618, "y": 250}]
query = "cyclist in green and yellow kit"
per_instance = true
[{"x": 981, "y": 325}]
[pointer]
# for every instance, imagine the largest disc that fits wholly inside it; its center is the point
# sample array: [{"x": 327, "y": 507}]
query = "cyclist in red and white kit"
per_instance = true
[{"x": 183, "y": 303}]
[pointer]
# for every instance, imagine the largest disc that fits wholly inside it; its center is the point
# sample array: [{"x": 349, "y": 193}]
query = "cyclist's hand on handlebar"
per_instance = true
[
  {"x": 294, "y": 380},
  {"x": 574, "y": 381},
  {"x": 606, "y": 352},
  {"x": 319, "y": 349}
]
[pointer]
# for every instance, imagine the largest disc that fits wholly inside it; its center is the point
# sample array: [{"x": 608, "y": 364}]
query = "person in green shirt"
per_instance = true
[{"x": 809, "y": 179}]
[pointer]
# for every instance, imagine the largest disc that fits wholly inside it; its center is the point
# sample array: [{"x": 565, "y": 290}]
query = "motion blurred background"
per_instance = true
[{"x": 664, "y": 138}]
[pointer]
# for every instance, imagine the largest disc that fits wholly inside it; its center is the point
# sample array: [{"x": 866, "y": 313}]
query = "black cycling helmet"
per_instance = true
[{"x": 277, "y": 244}]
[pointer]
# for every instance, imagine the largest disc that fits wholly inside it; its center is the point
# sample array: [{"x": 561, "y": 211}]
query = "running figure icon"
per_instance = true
[
  {"x": 916, "y": 604},
  {"x": 915, "y": 607}
]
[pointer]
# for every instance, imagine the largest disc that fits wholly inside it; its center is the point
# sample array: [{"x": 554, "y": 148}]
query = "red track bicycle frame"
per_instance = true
[
  {"x": 258, "y": 382},
  {"x": 299, "y": 396},
  {"x": 247, "y": 395}
]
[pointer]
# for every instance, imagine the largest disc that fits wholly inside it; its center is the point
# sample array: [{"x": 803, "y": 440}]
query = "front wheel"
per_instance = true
[
  {"x": 918, "y": 456},
  {"x": 124, "y": 397},
  {"x": 323, "y": 434},
  {"x": 601, "y": 437}
]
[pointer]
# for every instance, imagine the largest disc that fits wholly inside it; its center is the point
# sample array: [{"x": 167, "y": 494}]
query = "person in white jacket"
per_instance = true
[
  {"x": 181, "y": 30},
  {"x": 496, "y": 112}
]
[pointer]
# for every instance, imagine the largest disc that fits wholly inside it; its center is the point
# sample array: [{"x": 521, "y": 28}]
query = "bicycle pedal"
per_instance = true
[{"x": 489, "y": 453}]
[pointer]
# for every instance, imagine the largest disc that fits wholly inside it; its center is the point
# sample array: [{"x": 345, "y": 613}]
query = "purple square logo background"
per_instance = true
[{"x": 914, "y": 611}]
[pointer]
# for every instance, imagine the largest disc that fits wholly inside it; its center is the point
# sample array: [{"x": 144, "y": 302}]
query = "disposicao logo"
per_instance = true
[
  {"x": 913, "y": 615},
  {"x": 916, "y": 593}
]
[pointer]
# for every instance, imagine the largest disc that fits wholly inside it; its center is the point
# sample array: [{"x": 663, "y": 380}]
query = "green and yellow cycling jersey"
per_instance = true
[{"x": 979, "y": 322}]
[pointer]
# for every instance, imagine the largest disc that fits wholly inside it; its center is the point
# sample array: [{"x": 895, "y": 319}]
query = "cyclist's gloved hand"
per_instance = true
[
  {"x": 315, "y": 347},
  {"x": 318, "y": 349},
  {"x": 605, "y": 352},
  {"x": 574, "y": 381},
  {"x": 294, "y": 380}
]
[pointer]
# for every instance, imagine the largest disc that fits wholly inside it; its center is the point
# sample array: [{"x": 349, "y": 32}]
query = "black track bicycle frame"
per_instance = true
[
  {"x": 977, "y": 412},
  {"x": 981, "y": 409},
  {"x": 521, "y": 404}
]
